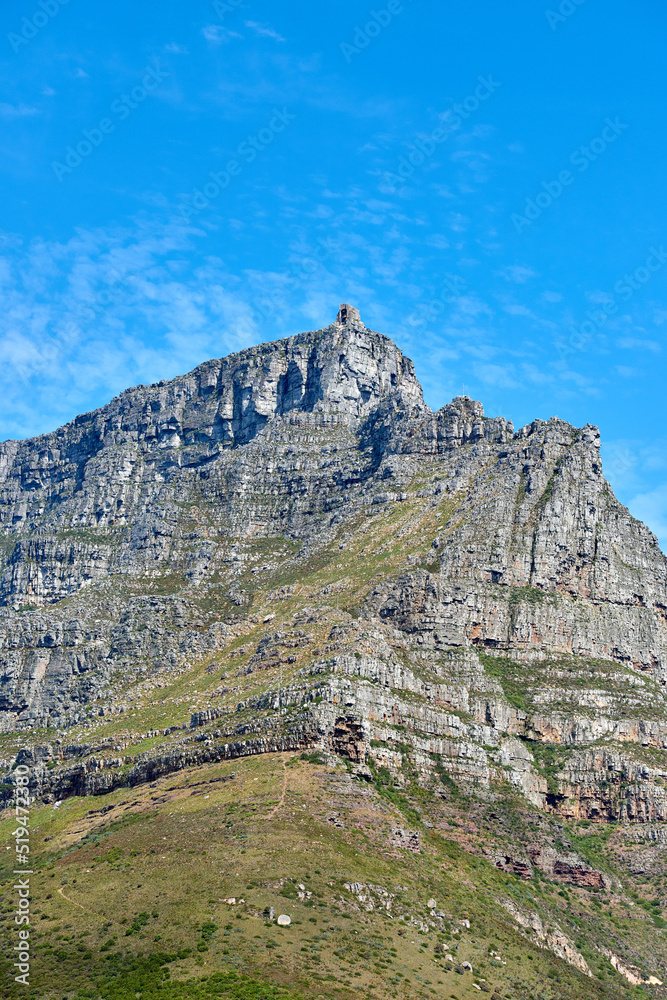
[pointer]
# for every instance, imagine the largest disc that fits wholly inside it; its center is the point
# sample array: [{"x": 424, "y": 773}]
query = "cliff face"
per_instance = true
[
  {"x": 487, "y": 581},
  {"x": 539, "y": 556},
  {"x": 102, "y": 494}
]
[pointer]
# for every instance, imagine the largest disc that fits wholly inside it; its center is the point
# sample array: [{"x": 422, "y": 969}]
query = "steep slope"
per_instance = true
[{"x": 288, "y": 552}]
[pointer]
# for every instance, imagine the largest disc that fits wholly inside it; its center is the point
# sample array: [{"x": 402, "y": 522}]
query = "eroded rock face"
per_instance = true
[
  {"x": 89, "y": 499},
  {"x": 348, "y": 740},
  {"x": 531, "y": 610},
  {"x": 540, "y": 556}
]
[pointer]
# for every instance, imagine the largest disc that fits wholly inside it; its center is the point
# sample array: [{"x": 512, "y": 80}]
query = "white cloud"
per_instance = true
[
  {"x": 628, "y": 464},
  {"x": 216, "y": 34},
  {"x": 633, "y": 344},
  {"x": 82, "y": 320},
  {"x": 458, "y": 222},
  {"x": 501, "y": 376},
  {"x": 515, "y": 309},
  {"x": 516, "y": 273},
  {"x": 576, "y": 378},
  {"x": 264, "y": 30},
  {"x": 438, "y": 241},
  {"x": 536, "y": 375},
  {"x": 471, "y": 305}
]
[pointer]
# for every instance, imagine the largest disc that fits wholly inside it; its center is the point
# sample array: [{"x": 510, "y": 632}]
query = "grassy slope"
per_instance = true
[{"x": 161, "y": 862}]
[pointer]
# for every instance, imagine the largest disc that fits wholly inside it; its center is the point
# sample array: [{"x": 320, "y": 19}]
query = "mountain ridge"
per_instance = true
[
  {"x": 291, "y": 438},
  {"x": 286, "y": 563}
]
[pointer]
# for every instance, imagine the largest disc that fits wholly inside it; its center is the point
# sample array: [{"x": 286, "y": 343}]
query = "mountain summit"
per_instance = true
[{"x": 290, "y": 437}]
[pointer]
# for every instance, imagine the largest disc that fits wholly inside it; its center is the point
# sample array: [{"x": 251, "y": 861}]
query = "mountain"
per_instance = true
[{"x": 445, "y": 639}]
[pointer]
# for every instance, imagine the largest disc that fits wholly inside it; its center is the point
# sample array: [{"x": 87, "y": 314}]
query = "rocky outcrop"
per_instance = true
[
  {"x": 540, "y": 557},
  {"x": 347, "y": 739},
  {"x": 567, "y": 868},
  {"x": 96, "y": 775},
  {"x": 547, "y": 936}
]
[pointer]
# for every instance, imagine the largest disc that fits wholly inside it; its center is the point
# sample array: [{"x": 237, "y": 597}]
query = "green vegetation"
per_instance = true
[
  {"x": 531, "y": 595},
  {"x": 158, "y": 881},
  {"x": 139, "y": 921},
  {"x": 128, "y": 977},
  {"x": 549, "y": 761},
  {"x": 447, "y": 781},
  {"x": 511, "y": 677},
  {"x": 384, "y": 783}
]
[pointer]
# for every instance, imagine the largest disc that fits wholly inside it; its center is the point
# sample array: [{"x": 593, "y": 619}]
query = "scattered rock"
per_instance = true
[{"x": 406, "y": 840}]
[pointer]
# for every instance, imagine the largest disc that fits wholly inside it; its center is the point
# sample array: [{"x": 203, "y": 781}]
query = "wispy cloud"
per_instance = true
[
  {"x": 264, "y": 30},
  {"x": 83, "y": 320},
  {"x": 502, "y": 376},
  {"x": 516, "y": 309},
  {"x": 516, "y": 273},
  {"x": 628, "y": 462},
  {"x": 8, "y": 111},
  {"x": 218, "y": 35},
  {"x": 635, "y": 344}
]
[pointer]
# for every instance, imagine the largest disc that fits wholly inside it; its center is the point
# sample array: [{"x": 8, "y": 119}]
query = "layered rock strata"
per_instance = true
[{"x": 496, "y": 598}]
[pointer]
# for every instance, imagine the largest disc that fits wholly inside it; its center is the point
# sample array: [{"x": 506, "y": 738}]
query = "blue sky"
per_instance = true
[{"x": 484, "y": 181}]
